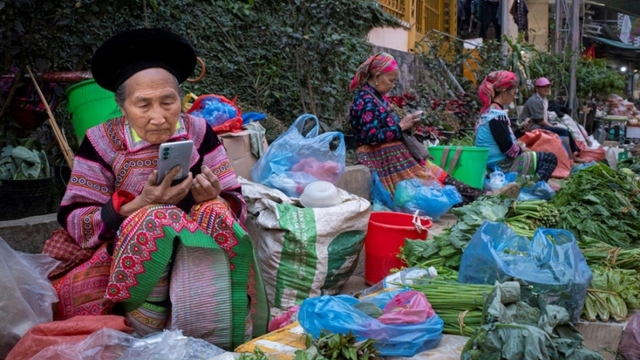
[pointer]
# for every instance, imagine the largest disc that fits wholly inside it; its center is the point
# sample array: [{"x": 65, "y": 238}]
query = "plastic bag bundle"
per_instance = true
[
  {"x": 298, "y": 158},
  {"x": 555, "y": 268},
  {"x": 222, "y": 114},
  {"x": 540, "y": 191},
  {"x": 26, "y": 294},
  {"x": 407, "y": 325},
  {"x": 428, "y": 198},
  {"x": 498, "y": 179},
  {"x": 379, "y": 194}
]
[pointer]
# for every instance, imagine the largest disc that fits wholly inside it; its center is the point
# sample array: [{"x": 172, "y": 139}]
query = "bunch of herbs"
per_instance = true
[{"x": 608, "y": 199}]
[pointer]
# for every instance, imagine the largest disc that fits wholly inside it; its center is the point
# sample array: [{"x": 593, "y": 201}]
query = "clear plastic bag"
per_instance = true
[
  {"x": 294, "y": 160},
  {"x": 337, "y": 314},
  {"x": 109, "y": 344},
  {"x": 428, "y": 198},
  {"x": 556, "y": 269},
  {"x": 26, "y": 294}
]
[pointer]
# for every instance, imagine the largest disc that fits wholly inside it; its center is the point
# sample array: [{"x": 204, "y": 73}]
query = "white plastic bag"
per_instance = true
[
  {"x": 26, "y": 294},
  {"x": 113, "y": 344}
]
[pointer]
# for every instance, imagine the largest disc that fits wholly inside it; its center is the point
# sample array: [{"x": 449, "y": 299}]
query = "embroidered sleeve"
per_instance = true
[
  {"x": 214, "y": 156},
  {"x": 501, "y": 134},
  {"x": 89, "y": 190},
  {"x": 372, "y": 124}
]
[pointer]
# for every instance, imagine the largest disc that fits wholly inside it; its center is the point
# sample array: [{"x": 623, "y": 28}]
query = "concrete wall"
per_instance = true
[
  {"x": 397, "y": 39},
  {"x": 411, "y": 69}
]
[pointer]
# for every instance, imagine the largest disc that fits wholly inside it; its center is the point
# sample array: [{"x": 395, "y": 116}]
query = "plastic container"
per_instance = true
[
  {"x": 385, "y": 235},
  {"x": 90, "y": 105},
  {"x": 407, "y": 276},
  {"x": 471, "y": 166},
  {"x": 24, "y": 198}
]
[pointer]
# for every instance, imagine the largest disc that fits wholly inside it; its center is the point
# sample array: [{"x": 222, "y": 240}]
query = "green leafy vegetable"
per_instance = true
[
  {"x": 20, "y": 163},
  {"x": 608, "y": 199}
]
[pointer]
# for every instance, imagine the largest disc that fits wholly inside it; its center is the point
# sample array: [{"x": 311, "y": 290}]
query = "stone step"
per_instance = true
[{"x": 28, "y": 234}]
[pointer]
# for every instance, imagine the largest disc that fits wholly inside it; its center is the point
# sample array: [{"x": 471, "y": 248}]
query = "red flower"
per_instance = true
[{"x": 410, "y": 96}]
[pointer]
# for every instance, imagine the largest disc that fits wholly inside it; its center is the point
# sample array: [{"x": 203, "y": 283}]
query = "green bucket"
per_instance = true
[
  {"x": 90, "y": 105},
  {"x": 471, "y": 166}
]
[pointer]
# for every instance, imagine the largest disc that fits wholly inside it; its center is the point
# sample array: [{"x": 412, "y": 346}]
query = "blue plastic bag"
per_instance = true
[
  {"x": 337, "y": 315},
  {"x": 428, "y": 198},
  {"x": 379, "y": 194},
  {"x": 540, "y": 191},
  {"x": 294, "y": 160},
  {"x": 556, "y": 270},
  {"x": 215, "y": 110},
  {"x": 498, "y": 179}
]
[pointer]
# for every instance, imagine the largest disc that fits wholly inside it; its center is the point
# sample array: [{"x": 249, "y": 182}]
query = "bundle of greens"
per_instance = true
[
  {"x": 337, "y": 347},
  {"x": 632, "y": 163},
  {"x": 327, "y": 347},
  {"x": 611, "y": 293},
  {"x": 608, "y": 199},
  {"x": 446, "y": 248},
  {"x": 526, "y": 217},
  {"x": 458, "y": 305},
  {"x": 515, "y": 329},
  {"x": 598, "y": 253},
  {"x": 20, "y": 163}
]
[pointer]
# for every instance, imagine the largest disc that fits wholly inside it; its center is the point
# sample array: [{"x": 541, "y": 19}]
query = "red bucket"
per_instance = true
[{"x": 385, "y": 235}]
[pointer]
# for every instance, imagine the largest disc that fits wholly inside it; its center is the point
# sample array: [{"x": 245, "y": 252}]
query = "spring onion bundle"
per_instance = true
[{"x": 458, "y": 305}]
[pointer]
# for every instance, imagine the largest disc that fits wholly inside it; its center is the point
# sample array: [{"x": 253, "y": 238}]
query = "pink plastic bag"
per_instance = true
[
  {"x": 630, "y": 343},
  {"x": 284, "y": 319},
  {"x": 408, "y": 307}
]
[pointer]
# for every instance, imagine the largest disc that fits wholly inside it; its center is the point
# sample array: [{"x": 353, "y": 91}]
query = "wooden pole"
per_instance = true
[{"x": 64, "y": 146}]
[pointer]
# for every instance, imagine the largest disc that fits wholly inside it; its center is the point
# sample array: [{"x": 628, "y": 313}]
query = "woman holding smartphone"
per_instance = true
[
  {"x": 162, "y": 253},
  {"x": 380, "y": 134}
]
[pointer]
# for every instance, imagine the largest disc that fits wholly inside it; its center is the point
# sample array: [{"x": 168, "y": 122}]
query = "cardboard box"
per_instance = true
[
  {"x": 238, "y": 147},
  {"x": 602, "y": 337}
]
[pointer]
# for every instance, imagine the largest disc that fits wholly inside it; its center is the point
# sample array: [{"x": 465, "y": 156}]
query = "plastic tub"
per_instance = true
[
  {"x": 90, "y": 105},
  {"x": 24, "y": 198},
  {"x": 385, "y": 235},
  {"x": 471, "y": 166}
]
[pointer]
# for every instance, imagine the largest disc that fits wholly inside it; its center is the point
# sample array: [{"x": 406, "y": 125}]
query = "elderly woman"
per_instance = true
[
  {"x": 165, "y": 255},
  {"x": 494, "y": 131},
  {"x": 379, "y": 131}
]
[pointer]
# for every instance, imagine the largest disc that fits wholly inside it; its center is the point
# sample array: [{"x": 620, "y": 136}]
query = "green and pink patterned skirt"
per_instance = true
[{"x": 170, "y": 270}]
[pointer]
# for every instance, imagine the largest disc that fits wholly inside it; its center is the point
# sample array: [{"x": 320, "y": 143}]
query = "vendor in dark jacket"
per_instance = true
[{"x": 535, "y": 115}]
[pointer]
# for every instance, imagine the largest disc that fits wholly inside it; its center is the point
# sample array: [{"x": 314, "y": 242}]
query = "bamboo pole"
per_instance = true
[{"x": 64, "y": 146}]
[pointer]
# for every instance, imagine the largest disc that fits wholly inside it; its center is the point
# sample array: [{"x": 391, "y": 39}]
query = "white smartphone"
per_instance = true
[{"x": 174, "y": 154}]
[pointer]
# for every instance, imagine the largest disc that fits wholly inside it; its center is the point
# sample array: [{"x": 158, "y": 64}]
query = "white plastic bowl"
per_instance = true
[{"x": 320, "y": 194}]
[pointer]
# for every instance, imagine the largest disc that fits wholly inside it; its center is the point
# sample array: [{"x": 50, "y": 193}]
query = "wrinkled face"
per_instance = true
[
  {"x": 383, "y": 83},
  {"x": 544, "y": 91},
  {"x": 152, "y": 104}
]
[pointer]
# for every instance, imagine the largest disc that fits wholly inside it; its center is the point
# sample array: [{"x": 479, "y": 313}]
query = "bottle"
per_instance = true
[
  {"x": 612, "y": 157},
  {"x": 407, "y": 276}
]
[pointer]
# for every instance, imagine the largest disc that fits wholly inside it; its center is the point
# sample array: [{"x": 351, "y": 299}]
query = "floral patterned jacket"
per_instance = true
[{"x": 372, "y": 120}]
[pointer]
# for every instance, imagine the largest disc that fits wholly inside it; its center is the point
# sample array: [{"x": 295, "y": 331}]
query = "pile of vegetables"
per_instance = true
[
  {"x": 327, "y": 347},
  {"x": 610, "y": 292},
  {"x": 458, "y": 305},
  {"x": 600, "y": 203},
  {"x": 632, "y": 163},
  {"x": 20, "y": 163},
  {"x": 527, "y": 329},
  {"x": 445, "y": 249}
]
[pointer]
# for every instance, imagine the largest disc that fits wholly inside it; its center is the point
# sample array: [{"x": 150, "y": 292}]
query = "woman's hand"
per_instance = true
[
  {"x": 206, "y": 186},
  {"x": 163, "y": 193},
  {"x": 410, "y": 120}
]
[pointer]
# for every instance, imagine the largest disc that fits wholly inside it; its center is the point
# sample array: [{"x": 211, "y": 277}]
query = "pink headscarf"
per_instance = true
[
  {"x": 496, "y": 82},
  {"x": 379, "y": 63}
]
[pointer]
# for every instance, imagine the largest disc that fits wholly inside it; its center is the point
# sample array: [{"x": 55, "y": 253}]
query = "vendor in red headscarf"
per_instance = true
[
  {"x": 379, "y": 131},
  {"x": 494, "y": 131}
]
